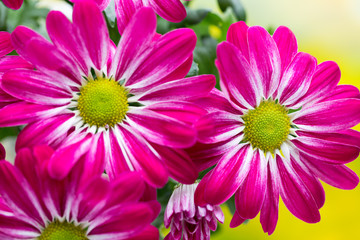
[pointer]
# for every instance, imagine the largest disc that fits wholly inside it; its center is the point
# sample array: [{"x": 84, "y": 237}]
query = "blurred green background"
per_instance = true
[{"x": 329, "y": 30}]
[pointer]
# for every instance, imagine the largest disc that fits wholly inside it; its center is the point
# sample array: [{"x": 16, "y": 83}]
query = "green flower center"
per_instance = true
[
  {"x": 63, "y": 231},
  {"x": 103, "y": 102},
  {"x": 267, "y": 126}
]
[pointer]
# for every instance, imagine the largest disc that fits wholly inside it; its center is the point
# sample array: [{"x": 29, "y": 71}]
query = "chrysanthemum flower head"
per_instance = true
[
  {"x": 281, "y": 124},
  {"x": 13, "y": 4},
  {"x": 186, "y": 219},
  {"x": 127, "y": 106},
  {"x": 80, "y": 206}
]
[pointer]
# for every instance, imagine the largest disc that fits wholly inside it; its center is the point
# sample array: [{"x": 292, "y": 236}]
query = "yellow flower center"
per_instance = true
[
  {"x": 63, "y": 231},
  {"x": 267, "y": 126},
  {"x": 103, "y": 102}
]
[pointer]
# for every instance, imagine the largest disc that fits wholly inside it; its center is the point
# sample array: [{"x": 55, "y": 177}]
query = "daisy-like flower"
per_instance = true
[
  {"x": 126, "y": 106},
  {"x": 282, "y": 124},
  {"x": 171, "y": 10},
  {"x": 13, "y": 4},
  {"x": 187, "y": 220},
  {"x": 81, "y": 206}
]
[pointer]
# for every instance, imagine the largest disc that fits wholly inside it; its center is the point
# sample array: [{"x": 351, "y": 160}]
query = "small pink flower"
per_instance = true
[
  {"x": 126, "y": 106},
  {"x": 82, "y": 205},
  {"x": 187, "y": 220},
  {"x": 281, "y": 124},
  {"x": 13, "y": 4},
  {"x": 171, "y": 10}
]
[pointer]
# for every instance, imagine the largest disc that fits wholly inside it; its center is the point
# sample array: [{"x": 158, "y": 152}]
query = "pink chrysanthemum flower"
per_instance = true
[
  {"x": 13, "y": 4},
  {"x": 171, "y": 10},
  {"x": 124, "y": 105},
  {"x": 282, "y": 125},
  {"x": 187, "y": 220},
  {"x": 81, "y": 206}
]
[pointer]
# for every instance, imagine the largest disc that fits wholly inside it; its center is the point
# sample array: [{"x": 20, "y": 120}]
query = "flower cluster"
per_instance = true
[{"x": 107, "y": 124}]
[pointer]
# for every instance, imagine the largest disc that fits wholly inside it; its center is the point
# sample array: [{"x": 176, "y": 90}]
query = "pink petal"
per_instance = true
[
  {"x": 237, "y": 79},
  {"x": 327, "y": 151},
  {"x": 179, "y": 90},
  {"x": 149, "y": 233},
  {"x": 218, "y": 126},
  {"x": 228, "y": 175},
  {"x": 143, "y": 157},
  {"x": 5, "y": 44},
  {"x": 17, "y": 229},
  {"x": 238, "y": 35},
  {"x": 125, "y": 10},
  {"x": 168, "y": 53},
  {"x": 13, "y": 4},
  {"x": 236, "y": 220},
  {"x": 90, "y": 24},
  {"x": 265, "y": 59},
  {"x": 161, "y": 129},
  {"x": 338, "y": 176},
  {"x": 171, "y": 10},
  {"x": 287, "y": 45},
  {"x": 330, "y": 116},
  {"x": 296, "y": 196},
  {"x": 2, "y": 153},
  {"x": 63, "y": 34},
  {"x": 22, "y": 112},
  {"x": 296, "y": 78},
  {"x": 11, "y": 62},
  {"x": 343, "y": 92},
  {"x": 135, "y": 39},
  {"x": 251, "y": 194},
  {"x": 34, "y": 87},
  {"x": 102, "y": 4},
  {"x": 324, "y": 81},
  {"x": 6, "y": 99}
]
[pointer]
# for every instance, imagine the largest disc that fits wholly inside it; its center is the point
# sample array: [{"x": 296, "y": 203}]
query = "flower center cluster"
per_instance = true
[
  {"x": 63, "y": 231},
  {"x": 267, "y": 126},
  {"x": 102, "y": 102}
]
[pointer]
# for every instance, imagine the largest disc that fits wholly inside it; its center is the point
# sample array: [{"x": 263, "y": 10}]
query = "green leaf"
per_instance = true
[
  {"x": 194, "y": 70},
  {"x": 235, "y": 6}
]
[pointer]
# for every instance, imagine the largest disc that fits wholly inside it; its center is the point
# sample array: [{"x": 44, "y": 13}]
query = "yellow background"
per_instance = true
[{"x": 329, "y": 30}]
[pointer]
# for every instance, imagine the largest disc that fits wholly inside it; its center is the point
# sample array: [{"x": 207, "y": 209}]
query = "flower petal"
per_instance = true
[
  {"x": 343, "y": 92},
  {"x": 13, "y": 4},
  {"x": 125, "y": 10},
  {"x": 171, "y": 10},
  {"x": 11, "y": 62},
  {"x": 5, "y": 43},
  {"x": 237, "y": 34},
  {"x": 236, "y": 220}
]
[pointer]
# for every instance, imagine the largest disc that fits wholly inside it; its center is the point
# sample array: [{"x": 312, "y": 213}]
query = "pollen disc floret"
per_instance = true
[
  {"x": 267, "y": 126},
  {"x": 62, "y": 231},
  {"x": 102, "y": 102}
]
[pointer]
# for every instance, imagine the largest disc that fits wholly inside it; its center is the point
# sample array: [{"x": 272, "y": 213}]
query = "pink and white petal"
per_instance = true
[
  {"x": 125, "y": 10},
  {"x": 63, "y": 34},
  {"x": 13, "y": 4},
  {"x": 326, "y": 151},
  {"x": 149, "y": 233},
  {"x": 95, "y": 158},
  {"x": 250, "y": 196},
  {"x": 45, "y": 56},
  {"x": 179, "y": 164},
  {"x": 32, "y": 86},
  {"x": 101, "y": 3},
  {"x": 65, "y": 158},
  {"x": 287, "y": 45},
  {"x": 184, "y": 111},
  {"x": 90, "y": 24},
  {"x": 161, "y": 129},
  {"x": 296, "y": 196},
  {"x": 296, "y": 79},
  {"x": 171, "y": 10},
  {"x": 228, "y": 175},
  {"x": 179, "y": 90},
  {"x": 11, "y": 62},
  {"x": 270, "y": 208},
  {"x": 5, "y": 43},
  {"x": 19, "y": 195},
  {"x": 237, "y": 220},
  {"x": 143, "y": 157},
  {"x": 238, "y": 35},
  {"x": 5, "y": 98},
  {"x": 168, "y": 53},
  {"x": 329, "y": 116},
  {"x": 310, "y": 181},
  {"x": 136, "y": 38},
  {"x": 324, "y": 81},
  {"x": 22, "y": 113},
  {"x": 237, "y": 78},
  {"x": 218, "y": 126},
  {"x": 17, "y": 229},
  {"x": 51, "y": 131},
  {"x": 338, "y": 176},
  {"x": 343, "y": 92},
  {"x": 264, "y": 59}
]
